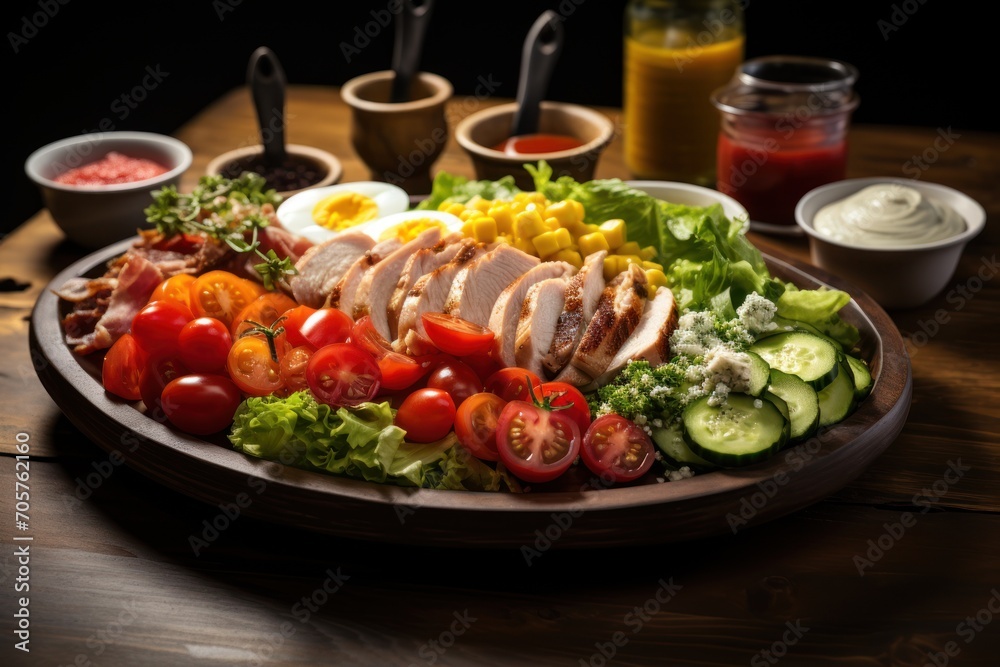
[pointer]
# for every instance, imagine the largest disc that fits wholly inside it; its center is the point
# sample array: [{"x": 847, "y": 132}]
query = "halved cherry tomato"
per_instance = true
[
  {"x": 265, "y": 309},
  {"x": 562, "y": 394},
  {"x": 175, "y": 288},
  {"x": 203, "y": 345},
  {"x": 293, "y": 368},
  {"x": 535, "y": 444},
  {"x": 343, "y": 374},
  {"x": 399, "y": 371},
  {"x": 364, "y": 334},
  {"x": 252, "y": 367},
  {"x": 201, "y": 404},
  {"x": 476, "y": 424},
  {"x": 294, "y": 319},
  {"x": 157, "y": 325},
  {"x": 616, "y": 446},
  {"x": 456, "y": 336},
  {"x": 121, "y": 371},
  {"x": 456, "y": 378},
  {"x": 157, "y": 373},
  {"x": 427, "y": 415},
  {"x": 222, "y": 295},
  {"x": 511, "y": 383},
  {"x": 327, "y": 326}
]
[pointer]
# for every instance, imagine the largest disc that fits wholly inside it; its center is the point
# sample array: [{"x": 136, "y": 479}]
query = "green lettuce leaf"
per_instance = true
[
  {"x": 453, "y": 188},
  {"x": 819, "y": 308}
]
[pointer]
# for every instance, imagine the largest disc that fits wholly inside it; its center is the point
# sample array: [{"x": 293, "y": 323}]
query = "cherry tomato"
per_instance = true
[
  {"x": 365, "y": 334},
  {"x": 252, "y": 367},
  {"x": 327, "y": 326},
  {"x": 121, "y": 371},
  {"x": 399, "y": 371},
  {"x": 222, "y": 295},
  {"x": 484, "y": 363},
  {"x": 561, "y": 394},
  {"x": 535, "y": 444},
  {"x": 157, "y": 326},
  {"x": 343, "y": 374},
  {"x": 265, "y": 309},
  {"x": 456, "y": 378},
  {"x": 427, "y": 415},
  {"x": 476, "y": 424},
  {"x": 456, "y": 336},
  {"x": 201, "y": 404},
  {"x": 293, "y": 368},
  {"x": 175, "y": 288},
  {"x": 511, "y": 383},
  {"x": 157, "y": 374},
  {"x": 617, "y": 446},
  {"x": 294, "y": 319},
  {"x": 203, "y": 345}
]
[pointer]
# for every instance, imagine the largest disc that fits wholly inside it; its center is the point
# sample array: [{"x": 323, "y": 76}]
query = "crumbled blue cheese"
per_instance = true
[
  {"x": 695, "y": 334},
  {"x": 725, "y": 371},
  {"x": 677, "y": 475},
  {"x": 756, "y": 313}
]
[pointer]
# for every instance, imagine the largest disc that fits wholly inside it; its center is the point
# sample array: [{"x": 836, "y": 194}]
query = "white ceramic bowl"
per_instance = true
[
  {"x": 898, "y": 277},
  {"x": 688, "y": 194},
  {"x": 95, "y": 216}
]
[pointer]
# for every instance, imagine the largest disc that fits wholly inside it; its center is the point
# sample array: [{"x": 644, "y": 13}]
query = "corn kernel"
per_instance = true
[
  {"x": 625, "y": 260},
  {"x": 564, "y": 212},
  {"x": 526, "y": 246},
  {"x": 538, "y": 199},
  {"x": 454, "y": 208},
  {"x": 630, "y": 248},
  {"x": 502, "y": 240},
  {"x": 546, "y": 244},
  {"x": 648, "y": 253},
  {"x": 552, "y": 224},
  {"x": 528, "y": 225},
  {"x": 504, "y": 217},
  {"x": 578, "y": 209},
  {"x": 651, "y": 266},
  {"x": 568, "y": 256},
  {"x": 469, "y": 230},
  {"x": 656, "y": 278},
  {"x": 563, "y": 238},
  {"x": 611, "y": 267},
  {"x": 592, "y": 228},
  {"x": 577, "y": 228},
  {"x": 614, "y": 230},
  {"x": 591, "y": 243},
  {"x": 480, "y": 204},
  {"x": 469, "y": 214},
  {"x": 485, "y": 229}
]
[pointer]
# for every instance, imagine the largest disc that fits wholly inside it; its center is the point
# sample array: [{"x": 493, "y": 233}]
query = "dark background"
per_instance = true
[{"x": 938, "y": 69}]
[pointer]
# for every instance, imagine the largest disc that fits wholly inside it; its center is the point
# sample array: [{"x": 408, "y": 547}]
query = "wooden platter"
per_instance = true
[{"x": 579, "y": 512}]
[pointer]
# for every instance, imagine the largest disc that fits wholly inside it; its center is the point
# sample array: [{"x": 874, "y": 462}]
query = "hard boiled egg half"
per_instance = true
[
  {"x": 320, "y": 213},
  {"x": 408, "y": 225}
]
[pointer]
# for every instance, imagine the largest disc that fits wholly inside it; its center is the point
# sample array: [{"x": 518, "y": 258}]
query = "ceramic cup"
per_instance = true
[{"x": 399, "y": 141}]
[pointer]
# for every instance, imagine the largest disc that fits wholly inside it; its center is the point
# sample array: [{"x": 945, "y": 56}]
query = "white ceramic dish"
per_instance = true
[{"x": 295, "y": 213}]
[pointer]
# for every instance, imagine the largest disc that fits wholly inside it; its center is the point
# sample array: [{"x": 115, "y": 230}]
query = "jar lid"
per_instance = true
[{"x": 781, "y": 83}]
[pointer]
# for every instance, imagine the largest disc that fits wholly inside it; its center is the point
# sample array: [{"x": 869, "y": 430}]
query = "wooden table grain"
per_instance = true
[{"x": 901, "y": 567}]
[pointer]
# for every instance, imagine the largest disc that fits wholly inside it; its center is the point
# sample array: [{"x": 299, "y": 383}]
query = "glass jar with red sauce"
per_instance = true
[{"x": 784, "y": 122}]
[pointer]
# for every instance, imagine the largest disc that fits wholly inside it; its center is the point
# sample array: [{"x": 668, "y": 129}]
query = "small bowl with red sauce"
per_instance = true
[
  {"x": 570, "y": 137},
  {"x": 97, "y": 186}
]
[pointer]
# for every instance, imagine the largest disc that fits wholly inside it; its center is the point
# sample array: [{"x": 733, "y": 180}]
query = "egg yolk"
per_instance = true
[
  {"x": 344, "y": 209},
  {"x": 409, "y": 230}
]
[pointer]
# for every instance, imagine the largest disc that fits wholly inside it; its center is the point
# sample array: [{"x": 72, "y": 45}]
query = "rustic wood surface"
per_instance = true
[{"x": 115, "y": 581}]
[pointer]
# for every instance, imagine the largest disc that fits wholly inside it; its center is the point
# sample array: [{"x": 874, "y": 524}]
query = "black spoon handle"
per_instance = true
[
  {"x": 538, "y": 58},
  {"x": 267, "y": 84},
  {"x": 411, "y": 27}
]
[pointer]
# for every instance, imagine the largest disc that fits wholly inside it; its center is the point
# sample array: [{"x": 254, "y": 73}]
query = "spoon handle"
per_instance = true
[
  {"x": 538, "y": 58},
  {"x": 411, "y": 27},
  {"x": 267, "y": 84}
]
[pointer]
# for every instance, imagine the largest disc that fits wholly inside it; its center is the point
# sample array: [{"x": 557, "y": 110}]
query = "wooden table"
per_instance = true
[{"x": 899, "y": 568}]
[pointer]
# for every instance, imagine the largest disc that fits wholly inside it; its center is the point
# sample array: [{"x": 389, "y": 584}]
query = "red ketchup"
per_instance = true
[
  {"x": 537, "y": 143},
  {"x": 112, "y": 168}
]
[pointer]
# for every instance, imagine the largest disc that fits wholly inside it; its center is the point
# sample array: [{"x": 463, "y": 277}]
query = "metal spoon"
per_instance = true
[
  {"x": 411, "y": 27},
  {"x": 538, "y": 58},
  {"x": 267, "y": 84}
]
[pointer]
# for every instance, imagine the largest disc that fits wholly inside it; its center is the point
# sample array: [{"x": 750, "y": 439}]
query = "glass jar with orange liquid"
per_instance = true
[{"x": 677, "y": 52}]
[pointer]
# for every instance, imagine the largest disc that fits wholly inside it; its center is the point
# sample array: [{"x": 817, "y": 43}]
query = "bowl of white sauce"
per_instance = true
[{"x": 898, "y": 239}]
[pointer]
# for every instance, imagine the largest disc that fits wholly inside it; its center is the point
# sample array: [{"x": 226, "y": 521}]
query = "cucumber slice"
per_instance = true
[
  {"x": 862, "y": 377},
  {"x": 812, "y": 358},
  {"x": 778, "y": 403},
  {"x": 760, "y": 374},
  {"x": 785, "y": 324},
  {"x": 671, "y": 442},
  {"x": 802, "y": 401},
  {"x": 836, "y": 400},
  {"x": 734, "y": 434}
]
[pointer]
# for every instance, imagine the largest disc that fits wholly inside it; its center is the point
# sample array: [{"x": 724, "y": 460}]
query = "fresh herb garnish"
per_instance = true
[{"x": 208, "y": 208}]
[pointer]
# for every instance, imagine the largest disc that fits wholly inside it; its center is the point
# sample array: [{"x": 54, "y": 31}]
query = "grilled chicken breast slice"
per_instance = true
[
  {"x": 341, "y": 294},
  {"x": 419, "y": 264},
  {"x": 582, "y": 294},
  {"x": 478, "y": 285},
  {"x": 326, "y": 261},
  {"x": 651, "y": 339},
  {"x": 537, "y": 323}
]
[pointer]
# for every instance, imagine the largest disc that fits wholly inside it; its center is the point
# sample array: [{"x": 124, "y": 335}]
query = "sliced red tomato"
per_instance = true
[
  {"x": 427, "y": 415},
  {"x": 399, "y": 371},
  {"x": 476, "y": 424},
  {"x": 203, "y": 345},
  {"x": 222, "y": 295},
  {"x": 535, "y": 444},
  {"x": 293, "y": 368},
  {"x": 121, "y": 371},
  {"x": 511, "y": 383},
  {"x": 201, "y": 404},
  {"x": 364, "y": 334},
  {"x": 157, "y": 326},
  {"x": 617, "y": 446},
  {"x": 175, "y": 288},
  {"x": 568, "y": 400},
  {"x": 327, "y": 326},
  {"x": 456, "y": 378},
  {"x": 253, "y": 368},
  {"x": 294, "y": 319},
  {"x": 265, "y": 309},
  {"x": 457, "y": 336},
  {"x": 343, "y": 374}
]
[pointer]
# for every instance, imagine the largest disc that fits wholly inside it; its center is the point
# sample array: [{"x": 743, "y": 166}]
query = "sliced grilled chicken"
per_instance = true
[
  {"x": 477, "y": 286},
  {"x": 507, "y": 308},
  {"x": 428, "y": 294},
  {"x": 582, "y": 294},
  {"x": 617, "y": 316},
  {"x": 327, "y": 261},
  {"x": 376, "y": 286},
  {"x": 420, "y": 264},
  {"x": 651, "y": 339},
  {"x": 342, "y": 293},
  {"x": 537, "y": 323}
]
